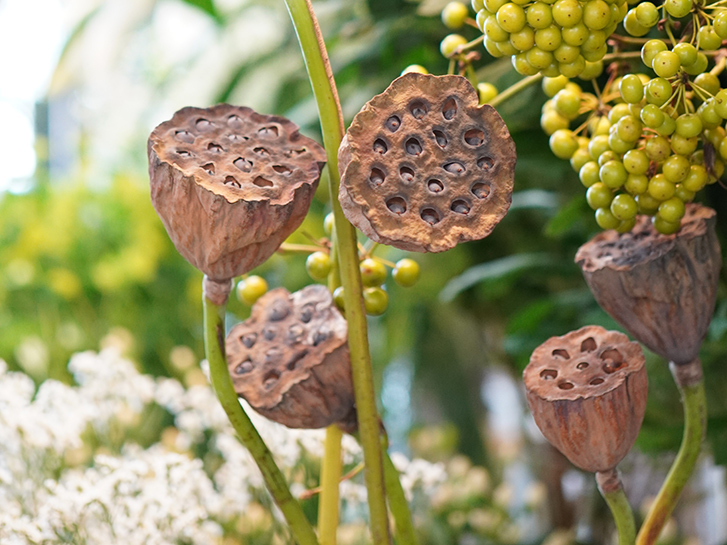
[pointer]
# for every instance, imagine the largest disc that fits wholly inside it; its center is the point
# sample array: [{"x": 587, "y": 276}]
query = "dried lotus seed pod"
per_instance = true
[
  {"x": 587, "y": 392},
  {"x": 290, "y": 360},
  {"x": 661, "y": 288},
  {"x": 424, "y": 166},
  {"x": 230, "y": 185}
]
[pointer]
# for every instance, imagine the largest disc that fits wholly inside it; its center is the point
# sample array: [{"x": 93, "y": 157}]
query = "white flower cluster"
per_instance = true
[{"x": 158, "y": 495}]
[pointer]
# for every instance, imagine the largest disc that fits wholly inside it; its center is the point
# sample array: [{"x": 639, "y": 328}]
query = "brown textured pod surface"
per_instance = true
[
  {"x": 230, "y": 184},
  {"x": 290, "y": 360},
  {"x": 587, "y": 392},
  {"x": 661, "y": 288},
  {"x": 424, "y": 166}
]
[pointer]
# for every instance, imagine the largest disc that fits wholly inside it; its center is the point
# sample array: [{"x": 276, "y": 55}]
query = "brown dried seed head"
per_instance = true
[
  {"x": 290, "y": 359},
  {"x": 587, "y": 392},
  {"x": 424, "y": 166},
  {"x": 661, "y": 288},
  {"x": 230, "y": 184}
]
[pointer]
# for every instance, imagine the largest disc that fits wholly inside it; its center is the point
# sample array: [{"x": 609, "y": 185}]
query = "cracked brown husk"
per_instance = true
[
  {"x": 290, "y": 360},
  {"x": 230, "y": 185},
  {"x": 424, "y": 167},
  {"x": 661, "y": 288},
  {"x": 587, "y": 392}
]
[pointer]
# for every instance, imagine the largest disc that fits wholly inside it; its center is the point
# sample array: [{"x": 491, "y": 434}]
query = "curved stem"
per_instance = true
[
  {"x": 515, "y": 89},
  {"x": 329, "y": 110},
  {"x": 330, "y": 479},
  {"x": 214, "y": 343},
  {"x": 405, "y": 534},
  {"x": 691, "y": 385},
  {"x": 609, "y": 484}
]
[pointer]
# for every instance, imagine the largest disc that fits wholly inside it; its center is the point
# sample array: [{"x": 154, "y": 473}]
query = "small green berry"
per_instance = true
[
  {"x": 375, "y": 301},
  {"x": 251, "y": 289},
  {"x": 406, "y": 272},
  {"x": 454, "y": 15},
  {"x": 318, "y": 265},
  {"x": 450, "y": 44},
  {"x": 373, "y": 272}
]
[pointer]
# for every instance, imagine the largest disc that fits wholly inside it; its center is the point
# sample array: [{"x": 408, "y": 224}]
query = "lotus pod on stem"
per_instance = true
[{"x": 661, "y": 288}]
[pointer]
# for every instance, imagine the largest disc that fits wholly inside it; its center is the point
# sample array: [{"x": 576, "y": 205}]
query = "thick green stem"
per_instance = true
[
  {"x": 690, "y": 382},
  {"x": 330, "y": 479},
  {"x": 514, "y": 89},
  {"x": 329, "y": 110},
  {"x": 215, "y": 302},
  {"x": 612, "y": 491},
  {"x": 404, "y": 529}
]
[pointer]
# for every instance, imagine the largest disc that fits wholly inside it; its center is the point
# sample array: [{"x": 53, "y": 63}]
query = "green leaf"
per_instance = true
[{"x": 207, "y": 6}]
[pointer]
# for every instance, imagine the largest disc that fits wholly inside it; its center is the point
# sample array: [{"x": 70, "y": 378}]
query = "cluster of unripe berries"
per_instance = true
[{"x": 318, "y": 265}]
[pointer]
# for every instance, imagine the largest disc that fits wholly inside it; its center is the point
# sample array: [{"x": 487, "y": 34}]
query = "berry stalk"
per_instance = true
[
  {"x": 214, "y": 303},
  {"x": 330, "y": 477},
  {"x": 690, "y": 382},
  {"x": 609, "y": 484},
  {"x": 515, "y": 89}
]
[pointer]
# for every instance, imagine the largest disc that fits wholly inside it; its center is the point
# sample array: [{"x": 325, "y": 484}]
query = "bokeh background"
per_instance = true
[{"x": 85, "y": 263}]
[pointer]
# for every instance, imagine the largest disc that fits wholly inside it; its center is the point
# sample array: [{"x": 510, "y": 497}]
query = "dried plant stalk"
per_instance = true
[
  {"x": 230, "y": 185},
  {"x": 587, "y": 392},
  {"x": 290, "y": 360},
  {"x": 661, "y": 288},
  {"x": 424, "y": 166}
]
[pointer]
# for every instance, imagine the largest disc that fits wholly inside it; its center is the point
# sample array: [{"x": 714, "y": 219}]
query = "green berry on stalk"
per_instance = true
[
  {"x": 686, "y": 52},
  {"x": 606, "y": 156},
  {"x": 539, "y": 15},
  {"x": 647, "y": 204},
  {"x": 708, "y": 38},
  {"x": 478, "y": 5},
  {"x": 494, "y": 31},
  {"x": 606, "y": 220},
  {"x": 629, "y": 128},
  {"x": 454, "y": 15},
  {"x": 598, "y": 145},
  {"x": 666, "y": 64},
  {"x": 450, "y": 44},
  {"x": 552, "y": 121},
  {"x": 338, "y": 298},
  {"x": 652, "y": 116},
  {"x": 626, "y": 225},
  {"x": 617, "y": 112},
  {"x": 696, "y": 179},
  {"x": 591, "y": 71},
  {"x": 689, "y": 125},
  {"x": 708, "y": 82},
  {"x": 567, "y": 103},
  {"x": 672, "y": 210},
  {"x": 493, "y": 5},
  {"x": 580, "y": 158},
  {"x": 683, "y": 194},
  {"x": 522, "y": 66},
  {"x": 538, "y": 58},
  {"x": 480, "y": 18},
  {"x": 636, "y": 162},
  {"x": 596, "y": 14},
  {"x": 657, "y": 149},
  {"x": 650, "y": 49},
  {"x": 720, "y": 103},
  {"x": 567, "y": 13},
  {"x": 492, "y": 48},
  {"x": 328, "y": 224},
  {"x": 660, "y": 188},
  {"x": 375, "y": 301},
  {"x": 567, "y": 54},
  {"x": 678, "y": 8},
  {"x": 599, "y": 196},
  {"x": 599, "y": 126},
  {"x": 572, "y": 69},
  {"x": 548, "y": 39},
  {"x": 373, "y": 272},
  {"x": 709, "y": 116},
  {"x": 623, "y": 207},
  {"x": 251, "y": 289},
  {"x": 523, "y": 40},
  {"x": 667, "y": 127},
  {"x": 633, "y": 26},
  {"x": 618, "y": 144},
  {"x": 684, "y": 146},
  {"x": 486, "y": 91},
  {"x": 636, "y": 184},
  {"x": 720, "y": 24},
  {"x": 698, "y": 67},
  {"x": 511, "y": 17},
  {"x": 714, "y": 137},
  {"x": 613, "y": 174},
  {"x": 675, "y": 168},
  {"x": 414, "y": 68},
  {"x": 551, "y": 86},
  {"x": 406, "y": 272},
  {"x": 563, "y": 143},
  {"x": 647, "y": 14},
  {"x": 665, "y": 227},
  {"x": 588, "y": 174},
  {"x": 575, "y": 35},
  {"x": 318, "y": 265},
  {"x": 595, "y": 40},
  {"x": 631, "y": 88}
]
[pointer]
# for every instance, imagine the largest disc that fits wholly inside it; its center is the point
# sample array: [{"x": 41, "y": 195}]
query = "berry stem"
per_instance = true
[
  {"x": 214, "y": 344},
  {"x": 331, "y": 469},
  {"x": 690, "y": 382},
  {"x": 405, "y": 534},
  {"x": 329, "y": 110},
  {"x": 287, "y": 247},
  {"x": 515, "y": 89},
  {"x": 609, "y": 484}
]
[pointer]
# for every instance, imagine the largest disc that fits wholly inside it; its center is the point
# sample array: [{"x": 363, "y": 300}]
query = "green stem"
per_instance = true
[
  {"x": 690, "y": 382},
  {"x": 515, "y": 89},
  {"x": 330, "y": 479},
  {"x": 405, "y": 534},
  {"x": 612, "y": 491},
  {"x": 214, "y": 342},
  {"x": 329, "y": 110}
]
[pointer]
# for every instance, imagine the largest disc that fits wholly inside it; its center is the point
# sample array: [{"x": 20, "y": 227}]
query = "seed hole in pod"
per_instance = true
[
  {"x": 413, "y": 146},
  {"x": 248, "y": 339},
  {"x": 268, "y": 132},
  {"x": 262, "y": 182},
  {"x": 237, "y": 138},
  {"x": 243, "y": 164},
  {"x": 306, "y": 313},
  {"x": 613, "y": 355},
  {"x": 582, "y": 365},
  {"x": 454, "y": 167},
  {"x": 407, "y": 174},
  {"x": 377, "y": 177},
  {"x": 441, "y": 138},
  {"x": 486, "y": 163},
  {"x": 295, "y": 333},
  {"x": 430, "y": 215},
  {"x": 184, "y": 153},
  {"x": 273, "y": 356},
  {"x": 269, "y": 333},
  {"x": 474, "y": 137},
  {"x": 596, "y": 381},
  {"x": 380, "y": 146},
  {"x": 588, "y": 345},
  {"x": 203, "y": 124},
  {"x": 297, "y": 357},
  {"x": 235, "y": 122},
  {"x": 279, "y": 310},
  {"x": 418, "y": 109},
  {"x": 229, "y": 180},
  {"x": 435, "y": 186},
  {"x": 548, "y": 374},
  {"x": 393, "y": 123},
  {"x": 561, "y": 353},
  {"x": 214, "y": 148},
  {"x": 270, "y": 378},
  {"x": 185, "y": 136},
  {"x": 460, "y": 206},
  {"x": 565, "y": 385},
  {"x": 295, "y": 152},
  {"x": 244, "y": 367},
  {"x": 319, "y": 337},
  {"x": 282, "y": 169},
  {"x": 449, "y": 110},
  {"x": 262, "y": 152},
  {"x": 209, "y": 168},
  {"x": 396, "y": 204},
  {"x": 481, "y": 190}
]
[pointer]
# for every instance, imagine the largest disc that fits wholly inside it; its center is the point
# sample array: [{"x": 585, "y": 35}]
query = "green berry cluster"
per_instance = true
[{"x": 553, "y": 37}]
